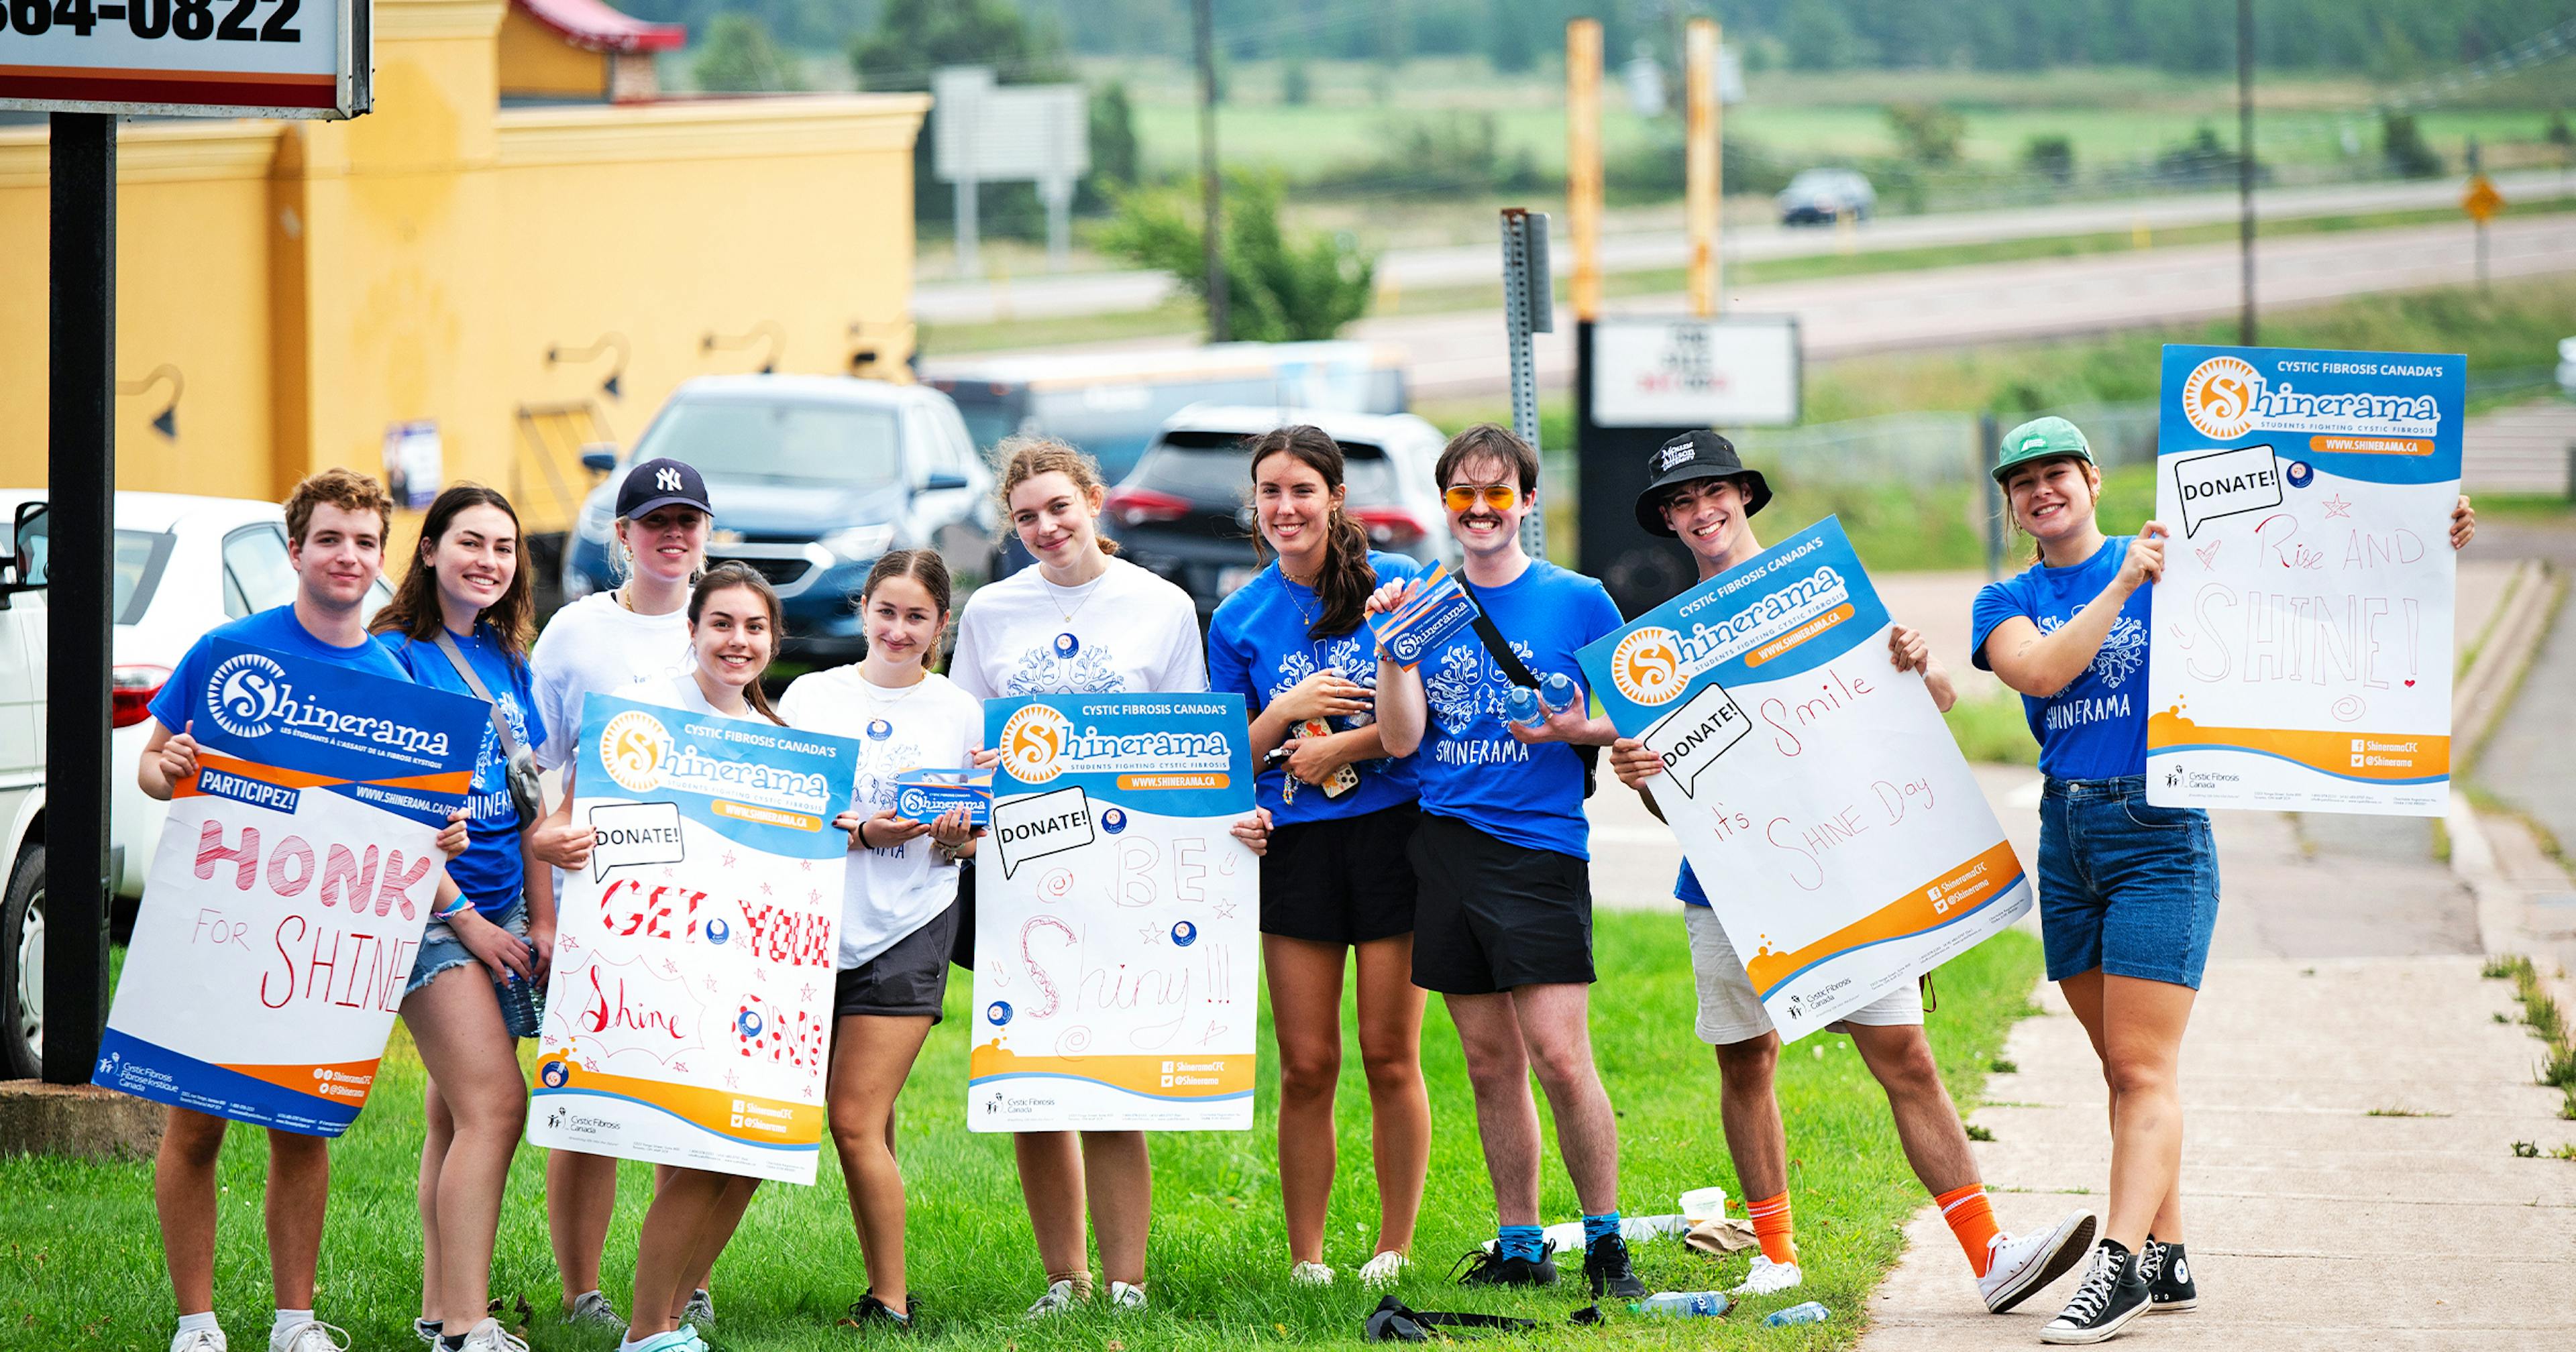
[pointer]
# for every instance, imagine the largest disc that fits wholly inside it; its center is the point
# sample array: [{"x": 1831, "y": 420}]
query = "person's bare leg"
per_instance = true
[
  {"x": 299, "y": 1194},
  {"x": 1506, "y": 1116},
  {"x": 871, "y": 1056},
  {"x": 2083, "y": 993},
  {"x": 700, "y": 1274},
  {"x": 1306, "y": 1016},
  {"x": 683, "y": 1204},
  {"x": 1390, "y": 1019},
  {"x": 1119, "y": 1177},
  {"x": 1927, "y": 1122},
  {"x": 2142, "y": 1028},
  {"x": 1749, "y": 1108},
  {"x": 469, "y": 1054},
  {"x": 183, "y": 1192},
  {"x": 438, "y": 1130},
  {"x": 1555, "y": 1028},
  {"x": 1051, "y": 1183},
  {"x": 581, "y": 1197}
]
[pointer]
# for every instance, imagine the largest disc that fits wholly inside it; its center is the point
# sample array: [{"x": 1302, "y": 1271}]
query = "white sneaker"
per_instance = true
[
  {"x": 1125, "y": 1297},
  {"x": 489, "y": 1336},
  {"x": 2019, "y": 1266},
  {"x": 592, "y": 1307},
  {"x": 1384, "y": 1270},
  {"x": 1766, "y": 1278},
  {"x": 198, "y": 1340},
  {"x": 1310, "y": 1274},
  {"x": 701, "y": 1308},
  {"x": 310, "y": 1336},
  {"x": 1057, "y": 1300}
]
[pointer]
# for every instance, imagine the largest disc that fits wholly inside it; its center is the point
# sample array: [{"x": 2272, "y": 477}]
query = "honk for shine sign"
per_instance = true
[
  {"x": 689, "y": 1018},
  {"x": 1839, "y": 835},
  {"x": 1117, "y": 926},
  {"x": 287, "y": 897},
  {"x": 2301, "y": 659}
]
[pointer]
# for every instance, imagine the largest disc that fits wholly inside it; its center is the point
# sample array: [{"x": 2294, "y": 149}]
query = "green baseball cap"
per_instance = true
[{"x": 2040, "y": 439}]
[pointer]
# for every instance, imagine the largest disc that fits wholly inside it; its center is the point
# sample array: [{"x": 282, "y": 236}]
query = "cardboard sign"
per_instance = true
[
  {"x": 1118, "y": 919},
  {"x": 1840, "y": 836},
  {"x": 2300, "y": 659},
  {"x": 928, "y": 795},
  {"x": 286, "y": 900},
  {"x": 1435, "y": 607},
  {"x": 689, "y": 1016}
]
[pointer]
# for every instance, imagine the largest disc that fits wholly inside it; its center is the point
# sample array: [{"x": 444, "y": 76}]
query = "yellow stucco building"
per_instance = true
[{"x": 520, "y": 220}]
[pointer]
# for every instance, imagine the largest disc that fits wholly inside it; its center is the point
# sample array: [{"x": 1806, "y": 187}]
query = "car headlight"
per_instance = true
[{"x": 860, "y": 542}]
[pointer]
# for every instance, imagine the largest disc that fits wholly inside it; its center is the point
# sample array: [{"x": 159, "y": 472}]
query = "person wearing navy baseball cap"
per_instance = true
[
  {"x": 661, "y": 483},
  {"x": 1702, "y": 493}
]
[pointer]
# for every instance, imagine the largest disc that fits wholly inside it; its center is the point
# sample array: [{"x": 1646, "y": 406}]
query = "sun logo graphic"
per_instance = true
[
  {"x": 1033, "y": 742},
  {"x": 2218, "y": 397},
  {"x": 1646, "y": 667},
  {"x": 633, "y": 748},
  {"x": 243, "y": 694}
]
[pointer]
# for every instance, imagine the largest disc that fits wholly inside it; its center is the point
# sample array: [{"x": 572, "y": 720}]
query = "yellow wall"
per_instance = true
[
  {"x": 316, "y": 282},
  {"x": 537, "y": 62}
]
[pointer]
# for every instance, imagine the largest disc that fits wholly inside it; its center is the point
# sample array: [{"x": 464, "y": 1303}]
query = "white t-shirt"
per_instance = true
[
  {"x": 886, "y": 894},
  {"x": 597, "y": 644},
  {"x": 1124, "y": 632}
]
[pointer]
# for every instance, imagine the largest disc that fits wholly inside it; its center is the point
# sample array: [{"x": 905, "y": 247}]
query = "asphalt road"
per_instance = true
[{"x": 1649, "y": 249}]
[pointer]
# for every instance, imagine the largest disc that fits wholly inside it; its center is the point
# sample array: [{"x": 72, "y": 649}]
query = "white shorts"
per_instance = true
[{"x": 1729, "y": 1012}]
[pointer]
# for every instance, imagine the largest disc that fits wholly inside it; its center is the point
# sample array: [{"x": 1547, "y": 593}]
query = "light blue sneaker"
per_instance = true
[{"x": 682, "y": 1339}]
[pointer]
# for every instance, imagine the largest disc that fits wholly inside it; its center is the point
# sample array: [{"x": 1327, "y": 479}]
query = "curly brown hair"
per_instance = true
[{"x": 345, "y": 489}]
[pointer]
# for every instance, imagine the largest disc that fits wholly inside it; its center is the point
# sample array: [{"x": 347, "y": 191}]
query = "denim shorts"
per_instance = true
[
  {"x": 440, "y": 949},
  {"x": 2124, "y": 885}
]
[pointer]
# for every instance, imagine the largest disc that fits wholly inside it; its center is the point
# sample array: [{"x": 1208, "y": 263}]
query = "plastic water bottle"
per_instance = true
[
  {"x": 1556, "y": 692},
  {"x": 1702, "y": 1304},
  {"x": 1523, "y": 707},
  {"x": 523, "y": 1001},
  {"x": 1809, "y": 1313}
]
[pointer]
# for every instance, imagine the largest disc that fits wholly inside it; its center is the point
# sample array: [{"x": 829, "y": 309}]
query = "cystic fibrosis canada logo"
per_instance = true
[
  {"x": 1646, "y": 667},
  {"x": 245, "y": 694},
  {"x": 634, "y": 747},
  {"x": 1033, "y": 743},
  {"x": 2218, "y": 397}
]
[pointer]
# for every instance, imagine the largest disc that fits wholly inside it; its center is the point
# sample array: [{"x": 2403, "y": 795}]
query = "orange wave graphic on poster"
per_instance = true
[
  {"x": 749, "y": 1118},
  {"x": 2377, "y": 757},
  {"x": 1799, "y": 635},
  {"x": 456, "y": 782},
  {"x": 1938, "y": 901},
  {"x": 338, "y": 1081},
  {"x": 1176, "y": 1076}
]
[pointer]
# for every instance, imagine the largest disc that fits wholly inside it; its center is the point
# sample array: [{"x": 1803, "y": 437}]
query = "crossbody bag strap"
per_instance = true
[
  {"x": 500, "y": 723},
  {"x": 1514, "y": 669}
]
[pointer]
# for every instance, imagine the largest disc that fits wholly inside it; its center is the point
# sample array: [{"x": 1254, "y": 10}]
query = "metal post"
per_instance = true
[
  {"x": 1058, "y": 193},
  {"x": 967, "y": 264},
  {"x": 1211, "y": 189},
  {"x": 1529, "y": 306},
  {"x": 1583, "y": 162},
  {"x": 82, "y": 465},
  {"x": 1700, "y": 196},
  {"x": 2245, "y": 161},
  {"x": 1994, "y": 532}
]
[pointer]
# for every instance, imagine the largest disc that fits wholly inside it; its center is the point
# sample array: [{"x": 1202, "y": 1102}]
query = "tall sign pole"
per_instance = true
[
  {"x": 1212, "y": 192},
  {"x": 1700, "y": 168},
  {"x": 1583, "y": 163},
  {"x": 1529, "y": 306},
  {"x": 2245, "y": 162}
]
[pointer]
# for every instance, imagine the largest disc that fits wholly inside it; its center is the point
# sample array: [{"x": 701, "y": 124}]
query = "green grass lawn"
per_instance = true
[{"x": 80, "y": 1263}]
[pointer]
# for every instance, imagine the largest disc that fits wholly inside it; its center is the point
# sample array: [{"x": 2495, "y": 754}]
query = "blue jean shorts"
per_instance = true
[
  {"x": 2124, "y": 885},
  {"x": 440, "y": 949}
]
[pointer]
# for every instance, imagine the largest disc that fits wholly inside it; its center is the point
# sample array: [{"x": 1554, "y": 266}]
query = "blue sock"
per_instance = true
[
  {"x": 1519, "y": 1241},
  {"x": 1596, "y": 1227}
]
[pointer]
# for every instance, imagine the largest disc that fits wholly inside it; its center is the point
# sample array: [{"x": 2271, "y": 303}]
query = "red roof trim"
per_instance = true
[{"x": 593, "y": 25}]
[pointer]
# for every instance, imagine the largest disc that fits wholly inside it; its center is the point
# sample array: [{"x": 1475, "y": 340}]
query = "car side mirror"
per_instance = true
[
  {"x": 942, "y": 481},
  {"x": 598, "y": 459},
  {"x": 31, "y": 541}
]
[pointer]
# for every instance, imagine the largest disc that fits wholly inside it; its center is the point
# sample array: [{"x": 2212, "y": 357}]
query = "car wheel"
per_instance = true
[{"x": 22, "y": 969}]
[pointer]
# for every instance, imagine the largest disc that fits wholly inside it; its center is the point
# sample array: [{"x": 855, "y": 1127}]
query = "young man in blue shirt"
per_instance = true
[
  {"x": 335, "y": 541},
  {"x": 1503, "y": 918},
  {"x": 1703, "y": 495}
]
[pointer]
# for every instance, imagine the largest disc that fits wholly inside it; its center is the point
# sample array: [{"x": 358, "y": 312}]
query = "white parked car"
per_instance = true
[
  {"x": 1819, "y": 196},
  {"x": 183, "y": 566}
]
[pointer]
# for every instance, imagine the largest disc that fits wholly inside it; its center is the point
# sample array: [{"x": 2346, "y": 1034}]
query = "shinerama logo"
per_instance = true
[
  {"x": 2218, "y": 397},
  {"x": 633, "y": 747},
  {"x": 1033, "y": 743},
  {"x": 1646, "y": 667},
  {"x": 246, "y": 693}
]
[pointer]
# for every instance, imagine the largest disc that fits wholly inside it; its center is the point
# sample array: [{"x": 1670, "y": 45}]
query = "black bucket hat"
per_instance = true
[{"x": 1695, "y": 455}]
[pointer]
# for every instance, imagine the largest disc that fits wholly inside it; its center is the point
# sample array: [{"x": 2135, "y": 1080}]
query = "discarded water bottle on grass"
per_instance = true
[
  {"x": 1809, "y": 1313},
  {"x": 1704, "y": 1304},
  {"x": 1522, "y": 708}
]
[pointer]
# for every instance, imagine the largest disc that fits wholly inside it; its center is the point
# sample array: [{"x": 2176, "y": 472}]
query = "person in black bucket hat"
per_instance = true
[{"x": 1703, "y": 494}]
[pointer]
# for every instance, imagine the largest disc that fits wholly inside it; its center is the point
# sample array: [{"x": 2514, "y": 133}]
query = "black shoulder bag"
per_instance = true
[{"x": 1518, "y": 673}]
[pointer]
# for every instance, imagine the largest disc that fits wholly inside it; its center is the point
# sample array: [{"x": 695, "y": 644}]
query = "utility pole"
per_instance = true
[
  {"x": 1212, "y": 192},
  {"x": 2245, "y": 161},
  {"x": 1529, "y": 306},
  {"x": 1701, "y": 199}
]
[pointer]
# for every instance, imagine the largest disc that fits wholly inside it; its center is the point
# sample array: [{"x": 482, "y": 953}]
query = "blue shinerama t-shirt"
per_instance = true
[
  {"x": 183, "y": 696},
  {"x": 1258, "y": 647},
  {"x": 1469, "y": 765},
  {"x": 2095, "y": 728},
  {"x": 491, "y": 872}
]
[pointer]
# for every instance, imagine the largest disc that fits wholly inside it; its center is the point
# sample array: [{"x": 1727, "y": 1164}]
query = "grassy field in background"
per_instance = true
[{"x": 80, "y": 1262}]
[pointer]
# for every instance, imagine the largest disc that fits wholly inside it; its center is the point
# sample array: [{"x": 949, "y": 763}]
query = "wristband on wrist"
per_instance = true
[
  {"x": 461, "y": 905},
  {"x": 863, "y": 835}
]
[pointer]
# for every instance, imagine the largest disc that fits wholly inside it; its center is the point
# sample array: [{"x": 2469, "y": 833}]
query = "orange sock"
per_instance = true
[
  {"x": 1770, "y": 1216},
  {"x": 1972, "y": 1219}
]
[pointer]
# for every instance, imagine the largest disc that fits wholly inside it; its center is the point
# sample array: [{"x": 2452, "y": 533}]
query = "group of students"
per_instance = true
[{"x": 1413, "y": 833}]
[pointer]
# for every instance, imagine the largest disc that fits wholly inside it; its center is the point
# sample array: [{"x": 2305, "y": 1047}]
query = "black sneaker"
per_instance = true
[
  {"x": 1605, "y": 1266},
  {"x": 2168, "y": 1277},
  {"x": 871, "y": 1312},
  {"x": 1491, "y": 1268},
  {"x": 2112, "y": 1294}
]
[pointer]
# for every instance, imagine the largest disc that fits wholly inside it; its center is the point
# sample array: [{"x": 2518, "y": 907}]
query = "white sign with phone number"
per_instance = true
[{"x": 215, "y": 58}]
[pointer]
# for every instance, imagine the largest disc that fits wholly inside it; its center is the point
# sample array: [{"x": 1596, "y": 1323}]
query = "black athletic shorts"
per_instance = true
[
  {"x": 1343, "y": 880},
  {"x": 909, "y": 978},
  {"x": 1492, "y": 916}
]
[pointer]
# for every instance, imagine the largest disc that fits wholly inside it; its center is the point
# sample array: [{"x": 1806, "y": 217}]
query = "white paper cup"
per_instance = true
[{"x": 1704, "y": 1204}]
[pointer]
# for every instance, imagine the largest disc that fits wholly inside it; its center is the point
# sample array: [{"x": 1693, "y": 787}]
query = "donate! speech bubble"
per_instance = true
[
  {"x": 1041, "y": 825},
  {"x": 634, "y": 833},
  {"x": 2224, "y": 483},
  {"x": 1692, "y": 737}
]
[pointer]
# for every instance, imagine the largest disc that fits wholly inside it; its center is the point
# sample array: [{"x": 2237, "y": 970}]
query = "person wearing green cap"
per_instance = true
[{"x": 2128, "y": 891}]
